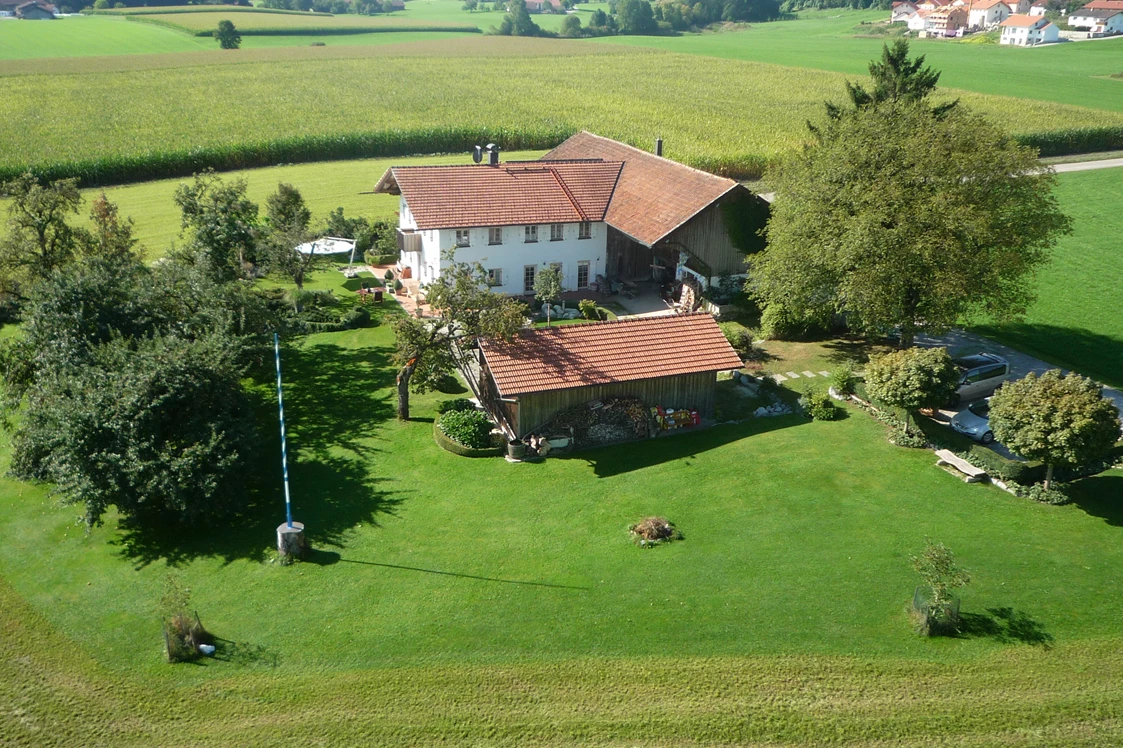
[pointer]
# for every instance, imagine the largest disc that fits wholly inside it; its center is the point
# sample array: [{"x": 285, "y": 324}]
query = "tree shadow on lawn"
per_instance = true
[
  {"x": 1090, "y": 353},
  {"x": 335, "y": 399},
  {"x": 1004, "y": 625},
  {"x": 1100, "y": 496},
  {"x": 616, "y": 459}
]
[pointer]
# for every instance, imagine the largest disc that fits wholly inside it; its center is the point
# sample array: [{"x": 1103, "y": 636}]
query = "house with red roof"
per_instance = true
[
  {"x": 1028, "y": 31},
  {"x": 598, "y": 210},
  {"x": 986, "y": 14},
  {"x": 1106, "y": 21},
  {"x": 670, "y": 363}
]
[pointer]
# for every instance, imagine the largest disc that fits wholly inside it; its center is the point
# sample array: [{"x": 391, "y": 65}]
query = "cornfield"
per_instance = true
[{"x": 725, "y": 116}]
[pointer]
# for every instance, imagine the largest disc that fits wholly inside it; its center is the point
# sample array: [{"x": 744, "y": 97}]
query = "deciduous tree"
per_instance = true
[
  {"x": 39, "y": 238},
  {"x": 466, "y": 309},
  {"x": 912, "y": 378},
  {"x": 111, "y": 236},
  {"x": 220, "y": 223},
  {"x": 286, "y": 227},
  {"x": 548, "y": 288},
  {"x": 1058, "y": 419},
  {"x": 227, "y": 36}
]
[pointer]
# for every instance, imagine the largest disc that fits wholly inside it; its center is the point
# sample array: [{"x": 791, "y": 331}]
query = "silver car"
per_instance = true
[
  {"x": 974, "y": 421},
  {"x": 980, "y": 375}
]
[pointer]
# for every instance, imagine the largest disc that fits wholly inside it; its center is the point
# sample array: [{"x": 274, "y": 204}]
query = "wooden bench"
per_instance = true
[{"x": 971, "y": 474}]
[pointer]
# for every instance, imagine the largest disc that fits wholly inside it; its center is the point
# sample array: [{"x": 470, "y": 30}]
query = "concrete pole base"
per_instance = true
[{"x": 291, "y": 544}]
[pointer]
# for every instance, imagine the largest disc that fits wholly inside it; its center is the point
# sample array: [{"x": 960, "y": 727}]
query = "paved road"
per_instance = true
[{"x": 1107, "y": 163}]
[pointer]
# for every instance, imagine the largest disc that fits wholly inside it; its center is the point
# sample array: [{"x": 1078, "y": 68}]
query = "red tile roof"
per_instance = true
[
  {"x": 1101, "y": 5},
  {"x": 655, "y": 195},
  {"x": 560, "y": 358},
  {"x": 515, "y": 193},
  {"x": 1022, "y": 21}
]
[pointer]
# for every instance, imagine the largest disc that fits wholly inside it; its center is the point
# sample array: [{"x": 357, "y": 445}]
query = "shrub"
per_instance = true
[
  {"x": 779, "y": 323},
  {"x": 456, "y": 404},
  {"x": 388, "y": 275},
  {"x": 1054, "y": 494},
  {"x": 588, "y": 309},
  {"x": 912, "y": 378},
  {"x": 819, "y": 406},
  {"x": 843, "y": 380},
  {"x": 372, "y": 258},
  {"x": 470, "y": 428},
  {"x": 398, "y": 284}
]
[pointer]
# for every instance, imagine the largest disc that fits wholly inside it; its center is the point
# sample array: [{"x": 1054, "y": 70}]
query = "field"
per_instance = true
[
  {"x": 744, "y": 116},
  {"x": 1076, "y": 321},
  {"x": 277, "y": 24},
  {"x": 475, "y": 601},
  {"x": 1074, "y": 73}
]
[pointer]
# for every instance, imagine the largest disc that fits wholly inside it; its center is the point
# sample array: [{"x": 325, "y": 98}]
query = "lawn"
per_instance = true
[
  {"x": 82, "y": 36},
  {"x": 1076, "y": 321},
  {"x": 744, "y": 114},
  {"x": 468, "y": 600},
  {"x": 1073, "y": 73},
  {"x": 281, "y": 24}
]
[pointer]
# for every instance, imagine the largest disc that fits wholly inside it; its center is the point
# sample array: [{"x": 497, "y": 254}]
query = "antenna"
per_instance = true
[{"x": 478, "y": 154}]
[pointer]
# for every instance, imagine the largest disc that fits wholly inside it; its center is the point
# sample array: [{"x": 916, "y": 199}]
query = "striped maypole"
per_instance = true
[{"x": 281, "y": 409}]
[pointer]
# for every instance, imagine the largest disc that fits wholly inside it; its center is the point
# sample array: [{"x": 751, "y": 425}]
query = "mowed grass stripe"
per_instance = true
[
  {"x": 722, "y": 115},
  {"x": 264, "y": 24}
]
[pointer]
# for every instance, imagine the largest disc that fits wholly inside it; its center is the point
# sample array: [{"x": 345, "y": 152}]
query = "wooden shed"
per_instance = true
[{"x": 668, "y": 361}]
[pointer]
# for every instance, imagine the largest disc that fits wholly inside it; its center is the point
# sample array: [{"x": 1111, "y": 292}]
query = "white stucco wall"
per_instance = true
[{"x": 514, "y": 254}]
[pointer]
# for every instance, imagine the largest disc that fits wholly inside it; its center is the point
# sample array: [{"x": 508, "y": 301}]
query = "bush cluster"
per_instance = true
[
  {"x": 456, "y": 404},
  {"x": 588, "y": 309},
  {"x": 843, "y": 380},
  {"x": 819, "y": 406},
  {"x": 777, "y": 322},
  {"x": 1055, "y": 494},
  {"x": 470, "y": 428}
]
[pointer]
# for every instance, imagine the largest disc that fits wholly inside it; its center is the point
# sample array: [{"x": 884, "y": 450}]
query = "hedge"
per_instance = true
[
  {"x": 110, "y": 170},
  {"x": 1075, "y": 140},
  {"x": 380, "y": 259},
  {"x": 357, "y": 317},
  {"x": 459, "y": 449}
]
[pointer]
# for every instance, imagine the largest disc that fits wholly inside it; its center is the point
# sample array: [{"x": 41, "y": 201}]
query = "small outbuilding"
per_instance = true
[{"x": 665, "y": 361}]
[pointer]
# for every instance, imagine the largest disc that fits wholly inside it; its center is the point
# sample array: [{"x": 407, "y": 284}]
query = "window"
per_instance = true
[
  {"x": 462, "y": 238},
  {"x": 495, "y": 235},
  {"x": 584, "y": 230},
  {"x": 528, "y": 279},
  {"x": 583, "y": 274},
  {"x": 531, "y": 234},
  {"x": 990, "y": 372},
  {"x": 495, "y": 276},
  {"x": 557, "y": 232}
]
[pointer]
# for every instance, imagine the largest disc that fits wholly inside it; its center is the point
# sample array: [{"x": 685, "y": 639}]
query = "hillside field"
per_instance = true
[
  {"x": 741, "y": 116},
  {"x": 276, "y": 24}
]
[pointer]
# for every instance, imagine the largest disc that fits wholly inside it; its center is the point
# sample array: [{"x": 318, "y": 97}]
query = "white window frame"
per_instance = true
[
  {"x": 495, "y": 235},
  {"x": 463, "y": 237},
  {"x": 530, "y": 234},
  {"x": 530, "y": 272},
  {"x": 495, "y": 276},
  {"x": 585, "y": 230},
  {"x": 586, "y": 266},
  {"x": 557, "y": 232}
]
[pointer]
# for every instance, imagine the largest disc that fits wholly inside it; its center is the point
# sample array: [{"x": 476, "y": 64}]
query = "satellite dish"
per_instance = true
[{"x": 478, "y": 154}]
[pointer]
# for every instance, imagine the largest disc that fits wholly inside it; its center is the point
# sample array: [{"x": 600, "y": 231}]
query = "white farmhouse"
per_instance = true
[
  {"x": 1096, "y": 20},
  {"x": 902, "y": 11},
  {"x": 601, "y": 211},
  {"x": 986, "y": 14},
  {"x": 1038, "y": 8},
  {"x": 1027, "y": 31}
]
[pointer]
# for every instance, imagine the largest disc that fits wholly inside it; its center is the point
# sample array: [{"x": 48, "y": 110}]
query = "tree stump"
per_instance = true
[{"x": 291, "y": 544}]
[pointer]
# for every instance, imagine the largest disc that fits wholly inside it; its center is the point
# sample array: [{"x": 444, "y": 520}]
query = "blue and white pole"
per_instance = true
[{"x": 281, "y": 409}]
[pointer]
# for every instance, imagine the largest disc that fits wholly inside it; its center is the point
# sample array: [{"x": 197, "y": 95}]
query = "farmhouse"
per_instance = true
[
  {"x": 667, "y": 220},
  {"x": 668, "y": 362},
  {"x": 1026, "y": 31},
  {"x": 947, "y": 21},
  {"x": 986, "y": 14},
  {"x": 902, "y": 11},
  {"x": 1038, "y": 8},
  {"x": 598, "y": 210},
  {"x": 1097, "y": 20},
  {"x": 35, "y": 11}
]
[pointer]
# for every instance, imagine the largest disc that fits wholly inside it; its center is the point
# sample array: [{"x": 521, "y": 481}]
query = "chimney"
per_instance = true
[
  {"x": 492, "y": 154},
  {"x": 658, "y": 146}
]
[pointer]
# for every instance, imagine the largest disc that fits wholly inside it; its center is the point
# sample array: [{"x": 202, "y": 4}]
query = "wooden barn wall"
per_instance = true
[
  {"x": 706, "y": 237},
  {"x": 627, "y": 259},
  {"x": 686, "y": 391}
]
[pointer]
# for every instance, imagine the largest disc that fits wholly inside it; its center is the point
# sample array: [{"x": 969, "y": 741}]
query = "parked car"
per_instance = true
[
  {"x": 974, "y": 421},
  {"x": 981, "y": 375}
]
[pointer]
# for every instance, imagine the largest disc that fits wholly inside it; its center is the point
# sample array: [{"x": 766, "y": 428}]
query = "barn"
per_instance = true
[
  {"x": 666, "y": 361},
  {"x": 666, "y": 216}
]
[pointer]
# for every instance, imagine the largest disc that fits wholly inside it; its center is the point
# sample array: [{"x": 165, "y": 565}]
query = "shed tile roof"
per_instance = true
[
  {"x": 560, "y": 358},
  {"x": 509, "y": 194},
  {"x": 1100, "y": 13},
  {"x": 655, "y": 195},
  {"x": 1102, "y": 5}
]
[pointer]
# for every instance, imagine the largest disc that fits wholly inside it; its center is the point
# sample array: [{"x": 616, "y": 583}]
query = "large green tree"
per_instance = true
[
  {"x": 903, "y": 219},
  {"x": 39, "y": 239},
  {"x": 465, "y": 309},
  {"x": 912, "y": 378},
  {"x": 220, "y": 223},
  {"x": 896, "y": 78},
  {"x": 286, "y": 227},
  {"x": 635, "y": 17},
  {"x": 227, "y": 36},
  {"x": 112, "y": 236},
  {"x": 1058, "y": 419}
]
